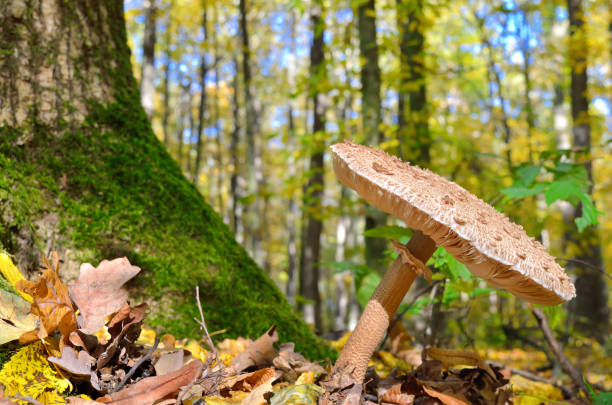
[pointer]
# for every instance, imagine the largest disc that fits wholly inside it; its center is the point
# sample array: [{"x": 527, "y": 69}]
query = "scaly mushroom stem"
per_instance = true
[{"x": 377, "y": 314}]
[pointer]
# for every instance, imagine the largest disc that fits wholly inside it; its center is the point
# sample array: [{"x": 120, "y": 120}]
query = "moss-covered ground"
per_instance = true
[{"x": 118, "y": 193}]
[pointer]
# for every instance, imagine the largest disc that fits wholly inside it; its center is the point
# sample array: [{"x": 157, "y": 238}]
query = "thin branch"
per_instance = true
[
  {"x": 137, "y": 365},
  {"x": 567, "y": 366},
  {"x": 587, "y": 264},
  {"x": 202, "y": 323}
]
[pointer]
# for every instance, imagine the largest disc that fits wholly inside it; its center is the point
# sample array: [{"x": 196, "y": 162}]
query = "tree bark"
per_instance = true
[
  {"x": 147, "y": 77},
  {"x": 166, "y": 91},
  {"x": 235, "y": 209},
  {"x": 253, "y": 167},
  {"x": 371, "y": 119},
  {"x": 217, "y": 119},
  {"x": 309, "y": 274},
  {"x": 202, "y": 105},
  {"x": 292, "y": 208},
  {"x": 84, "y": 174},
  {"x": 590, "y": 307},
  {"x": 413, "y": 117}
]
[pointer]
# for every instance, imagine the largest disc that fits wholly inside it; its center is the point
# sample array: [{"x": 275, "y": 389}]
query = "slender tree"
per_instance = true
[
  {"x": 147, "y": 77},
  {"x": 235, "y": 207},
  {"x": 292, "y": 207},
  {"x": 216, "y": 115},
  {"x": 371, "y": 117},
  {"x": 309, "y": 273},
  {"x": 202, "y": 105},
  {"x": 413, "y": 127},
  {"x": 590, "y": 307},
  {"x": 166, "y": 83}
]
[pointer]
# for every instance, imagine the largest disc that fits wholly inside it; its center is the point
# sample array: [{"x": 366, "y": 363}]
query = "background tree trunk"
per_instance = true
[
  {"x": 371, "y": 116},
  {"x": 202, "y": 105},
  {"x": 147, "y": 77},
  {"x": 166, "y": 84},
  {"x": 309, "y": 273},
  {"x": 413, "y": 128},
  {"x": 590, "y": 307},
  {"x": 93, "y": 182}
]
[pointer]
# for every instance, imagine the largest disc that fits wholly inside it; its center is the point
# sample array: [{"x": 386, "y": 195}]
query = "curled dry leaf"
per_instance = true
[
  {"x": 446, "y": 398},
  {"x": 148, "y": 390},
  {"x": 51, "y": 304},
  {"x": 459, "y": 357},
  {"x": 126, "y": 323},
  {"x": 260, "y": 353},
  {"x": 98, "y": 291},
  {"x": 77, "y": 365},
  {"x": 15, "y": 317},
  {"x": 246, "y": 382},
  {"x": 394, "y": 395},
  {"x": 256, "y": 397},
  {"x": 169, "y": 362}
]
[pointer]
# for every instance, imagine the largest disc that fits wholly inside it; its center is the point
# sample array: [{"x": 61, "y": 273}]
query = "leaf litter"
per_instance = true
[{"x": 87, "y": 342}]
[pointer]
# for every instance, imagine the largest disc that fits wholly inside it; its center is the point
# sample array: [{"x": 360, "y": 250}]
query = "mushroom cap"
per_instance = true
[{"x": 485, "y": 240}]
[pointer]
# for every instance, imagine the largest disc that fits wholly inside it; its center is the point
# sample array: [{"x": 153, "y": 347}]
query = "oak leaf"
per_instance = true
[
  {"x": 98, "y": 291},
  {"x": 51, "y": 303},
  {"x": 15, "y": 317}
]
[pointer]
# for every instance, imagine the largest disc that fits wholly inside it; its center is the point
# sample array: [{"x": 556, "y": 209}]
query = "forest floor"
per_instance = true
[{"x": 85, "y": 344}]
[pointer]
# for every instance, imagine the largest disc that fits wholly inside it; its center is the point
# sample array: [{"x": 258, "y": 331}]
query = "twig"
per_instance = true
[
  {"x": 136, "y": 366},
  {"x": 587, "y": 264},
  {"x": 203, "y": 323},
  {"x": 566, "y": 365},
  {"x": 28, "y": 399},
  {"x": 534, "y": 377}
]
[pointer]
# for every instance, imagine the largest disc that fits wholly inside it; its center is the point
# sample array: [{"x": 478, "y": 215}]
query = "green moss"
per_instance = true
[{"x": 119, "y": 193}]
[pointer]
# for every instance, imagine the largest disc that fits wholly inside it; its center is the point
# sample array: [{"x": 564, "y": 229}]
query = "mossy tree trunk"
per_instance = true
[{"x": 83, "y": 174}]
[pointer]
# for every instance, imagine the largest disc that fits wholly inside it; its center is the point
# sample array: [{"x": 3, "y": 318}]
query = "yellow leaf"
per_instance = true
[
  {"x": 28, "y": 373},
  {"x": 455, "y": 357},
  {"x": 12, "y": 274},
  {"x": 15, "y": 317},
  {"x": 527, "y": 392}
]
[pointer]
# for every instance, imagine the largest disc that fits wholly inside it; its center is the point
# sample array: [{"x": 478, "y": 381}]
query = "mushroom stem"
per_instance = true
[{"x": 377, "y": 314}]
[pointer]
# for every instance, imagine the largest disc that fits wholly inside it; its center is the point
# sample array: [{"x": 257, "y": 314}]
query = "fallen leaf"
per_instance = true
[
  {"x": 260, "y": 353},
  {"x": 151, "y": 389},
  {"x": 78, "y": 365},
  {"x": 169, "y": 362},
  {"x": 98, "y": 291},
  {"x": 246, "y": 382},
  {"x": 445, "y": 398},
  {"x": 15, "y": 317},
  {"x": 394, "y": 395},
  {"x": 302, "y": 394},
  {"x": 126, "y": 323},
  {"x": 256, "y": 397},
  {"x": 455, "y": 357},
  {"x": 51, "y": 304},
  {"x": 28, "y": 373},
  {"x": 12, "y": 274}
]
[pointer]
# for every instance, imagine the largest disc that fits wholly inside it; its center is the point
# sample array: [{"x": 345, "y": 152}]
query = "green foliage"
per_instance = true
[
  {"x": 556, "y": 180},
  {"x": 602, "y": 398}
]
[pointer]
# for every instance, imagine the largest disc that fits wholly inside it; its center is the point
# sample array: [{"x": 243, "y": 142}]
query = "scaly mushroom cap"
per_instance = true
[{"x": 486, "y": 241}]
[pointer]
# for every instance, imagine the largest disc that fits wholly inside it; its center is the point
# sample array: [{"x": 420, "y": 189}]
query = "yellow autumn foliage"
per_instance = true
[{"x": 28, "y": 373}]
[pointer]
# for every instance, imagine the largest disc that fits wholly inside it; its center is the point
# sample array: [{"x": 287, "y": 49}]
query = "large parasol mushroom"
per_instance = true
[{"x": 442, "y": 213}]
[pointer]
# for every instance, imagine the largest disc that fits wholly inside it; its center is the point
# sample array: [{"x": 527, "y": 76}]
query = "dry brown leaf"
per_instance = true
[
  {"x": 260, "y": 353},
  {"x": 151, "y": 389},
  {"x": 455, "y": 357},
  {"x": 78, "y": 366},
  {"x": 394, "y": 395},
  {"x": 126, "y": 323},
  {"x": 51, "y": 303},
  {"x": 81, "y": 401},
  {"x": 98, "y": 291},
  {"x": 446, "y": 398},
  {"x": 256, "y": 397},
  {"x": 169, "y": 362},
  {"x": 246, "y": 382}
]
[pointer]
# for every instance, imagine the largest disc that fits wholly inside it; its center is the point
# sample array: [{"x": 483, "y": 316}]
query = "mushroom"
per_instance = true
[{"x": 441, "y": 213}]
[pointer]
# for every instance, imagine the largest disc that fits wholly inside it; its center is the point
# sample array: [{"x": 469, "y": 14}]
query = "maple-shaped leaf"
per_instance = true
[
  {"x": 15, "y": 317},
  {"x": 98, "y": 291},
  {"x": 51, "y": 303}
]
